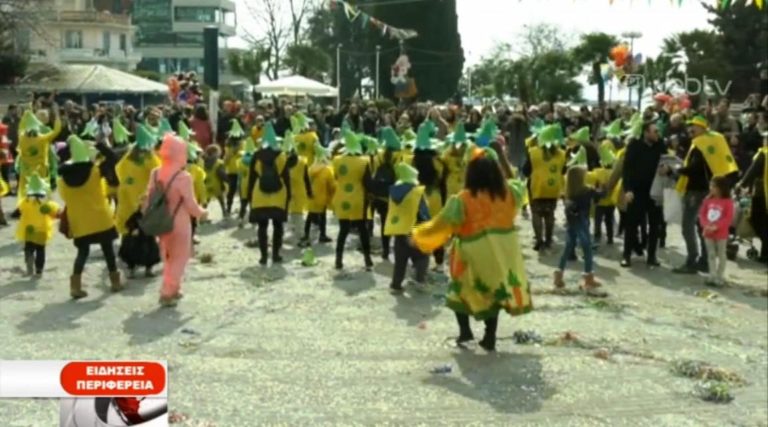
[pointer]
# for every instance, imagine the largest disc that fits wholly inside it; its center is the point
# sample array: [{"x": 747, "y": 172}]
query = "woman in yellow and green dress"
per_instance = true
[{"x": 486, "y": 262}]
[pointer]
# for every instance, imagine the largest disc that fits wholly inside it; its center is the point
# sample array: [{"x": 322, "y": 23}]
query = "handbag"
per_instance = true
[
  {"x": 744, "y": 229},
  {"x": 64, "y": 223},
  {"x": 673, "y": 206}
]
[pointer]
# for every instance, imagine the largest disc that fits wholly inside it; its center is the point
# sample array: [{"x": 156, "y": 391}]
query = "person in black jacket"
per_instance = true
[{"x": 642, "y": 160}]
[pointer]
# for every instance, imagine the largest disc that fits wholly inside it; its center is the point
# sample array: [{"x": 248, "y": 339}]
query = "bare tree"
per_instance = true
[
  {"x": 299, "y": 10},
  {"x": 270, "y": 14},
  {"x": 18, "y": 15}
]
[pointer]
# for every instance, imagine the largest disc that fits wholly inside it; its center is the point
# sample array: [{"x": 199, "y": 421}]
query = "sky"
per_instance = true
[{"x": 484, "y": 23}]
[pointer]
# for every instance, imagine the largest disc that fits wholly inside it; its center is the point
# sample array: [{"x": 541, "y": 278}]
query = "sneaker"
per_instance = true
[
  {"x": 325, "y": 239},
  {"x": 396, "y": 290},
  {"x": 653, "y": 263},
  {"x": 626, "y": 263}
]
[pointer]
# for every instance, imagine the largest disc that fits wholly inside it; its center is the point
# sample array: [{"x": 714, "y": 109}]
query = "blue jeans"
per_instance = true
[{"x": 578, "y": 233}]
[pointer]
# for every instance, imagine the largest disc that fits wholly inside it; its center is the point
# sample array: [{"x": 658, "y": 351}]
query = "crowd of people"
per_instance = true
[{"x": 439, "y": 179}]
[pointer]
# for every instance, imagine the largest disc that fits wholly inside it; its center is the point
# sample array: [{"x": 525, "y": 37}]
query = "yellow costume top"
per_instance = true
[
  {"x": 277, "y": 199},
  {"x": 401, "y": 217},
  {"x": 349, "y": 200},
  {"x": 242, "y": 181},
  {"x": 434, "y": 197},
  {"x": 598, "y": 178},
  {"x": 456, "y": 169},
  {"x": 305, "y": 145},
  {"x": 88, "y": 210},
  {"x": 716, "y": 153},
  {"x": 323, "y": 187},
  {"x": 34, "y": 155},
  {"x": 299, "y": 175},
  {"x": 4, "y": 187},
  {"x": 133, "y": 171},
  {"x": 214, "y": 185},
  {"x": 546, "y": 180},
  {"x": 232, "y": 157},
  {"x": 36, "y": 221},
  {"x": 198, "y": 182}
]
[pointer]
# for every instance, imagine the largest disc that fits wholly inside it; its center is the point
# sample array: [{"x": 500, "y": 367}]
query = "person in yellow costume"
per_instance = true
[
  {"x": 269, "y": 189},
  {"x": 197, "y": 173},
  {"x": 544, "y": 168},
  {"x": 383, "y": 171},
  {"x": 87, "y": 210},
  {"x": 431, "y": 175},
  {"x": 232, "y": 157},
  {"x": 408, "y": 208},
  {"x": 133, "y": 172},
  {"x": 755, "y": 182},
  {"x": 301, "y": 189},
  {"x": 323, "y": 187},
  {"x": 606, "y": 206},
  {"x": 243, "y": 174},
  {"x": 454, "y": 160},
  {"x": 35, "y": 149},
  {"x": 35, "y": 227},
  {"x": 486, "y": 261},
  {"x": 305, "y": 139},
  {"x": 352, "y": 171},
  {"x": 709, "y": 155},
  {"x": 215, "y": 176}
]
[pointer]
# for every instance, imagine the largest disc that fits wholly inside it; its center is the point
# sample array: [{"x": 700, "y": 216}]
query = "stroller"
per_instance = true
[{"x": 742, "y": 231}]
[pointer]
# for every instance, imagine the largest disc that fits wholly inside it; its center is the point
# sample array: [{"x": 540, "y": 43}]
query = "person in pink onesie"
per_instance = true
[{"x": 176, "y": 246}]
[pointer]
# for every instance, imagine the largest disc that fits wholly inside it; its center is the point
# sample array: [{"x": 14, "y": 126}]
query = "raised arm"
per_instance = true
[{"x": 436, "y": 232}]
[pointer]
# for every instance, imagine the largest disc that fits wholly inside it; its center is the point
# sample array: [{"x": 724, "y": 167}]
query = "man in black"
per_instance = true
[{"x": 641, "y": 162}]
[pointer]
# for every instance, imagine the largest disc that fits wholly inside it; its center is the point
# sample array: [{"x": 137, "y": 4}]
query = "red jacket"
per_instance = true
[{"x": 717, "y": 212}]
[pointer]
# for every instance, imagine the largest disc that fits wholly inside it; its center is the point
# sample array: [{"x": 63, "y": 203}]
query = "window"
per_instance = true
[
  {"x": 73, "y": 39},
  {"x": 123, "y": 43},
  {"x": 229, "y": 19},
  {"x": 106, "y": 42},
  {"x": 195, "y": 39},
  {"x": 196, "y": 14}
]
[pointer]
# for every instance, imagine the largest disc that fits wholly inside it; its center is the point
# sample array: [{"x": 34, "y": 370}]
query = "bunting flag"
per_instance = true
[{"x": 352, "y": 13}]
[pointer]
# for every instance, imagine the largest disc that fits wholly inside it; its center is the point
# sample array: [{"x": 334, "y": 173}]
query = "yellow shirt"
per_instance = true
[
  {"x": 299, "y": 190},
  {"x": 456, "y": 170},
  {"x": 717, "y": 154},
  {"x": 278, "y": 199},
  {"x": 134, "y": 180},
  {"x": 434, "y": 198},
  {"x": 349, "y": 200},
  {"x": 213, "y": 183},
  {"x": 305, "y": 145},
  {"x": 546, "y": 174},
  {"x": 88, "y": 210},
  {"x": 323, "y": 187},
  {"x": 198, "y": 183},
  {"x": 401, "y": 217},
  {"x": 232, "y": 156},
  {"x": 36, "y": 221},
  {"x": 34, "y": 155},
  {"x": 598, "y": 178}
]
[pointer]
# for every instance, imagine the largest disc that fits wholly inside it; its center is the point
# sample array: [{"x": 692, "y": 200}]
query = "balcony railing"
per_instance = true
[
  {"x": 92, "y": 16},
  {"x": 98, "y": 55}
]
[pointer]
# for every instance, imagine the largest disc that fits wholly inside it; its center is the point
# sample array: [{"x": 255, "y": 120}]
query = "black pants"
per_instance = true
[
  {"x": 193, "y": 221},
  {"x": 465, "y": 331},
  {"x": 232, "y": 180},
  {"x": 243, "y": 208},
  {"x": 543, "y": 218},
  {"x": 382, "y": 208},
  {"x": 317, "y": 219},
  {"x": 604, "y": 215},
  {"x": 33, "y": 250},
  {"x": 5, "y": 172},
  {"x": 277, "y": 239},
  {"x": 84, "y": 250},
  {"x": 404, "y": 252},
  {"x": 642, "y": 211},
  {"x": 345, "y": 226}
]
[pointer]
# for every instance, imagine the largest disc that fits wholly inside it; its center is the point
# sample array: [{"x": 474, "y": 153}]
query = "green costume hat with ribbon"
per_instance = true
[
  {"x": 607, "y": 157},
  {"x": 36, "y": 186},
  {"x": 193, "y": 151},
  {"x": 119, "y": 133},
  {"x": 351, "y": 142},
  {"x": 551, "y": 135},
  {"x": 289, "y": 144},
  {"x": 635, "y": 126},
  {"x": 145, "y": 138},
  {"x": 321, "y": 153},
  {"x": 390, "y": 138},
  {"x": 308, "y": 258},
  {"x": 235, "y": 130},
  {"x": 408, "y": 137},
  {"x": 185, "y": 132},
  {"x": 163, "y": 128},
  {"x": 91, "y": 129},
  {"x": 30, "y": 122},
  {"x": 581, "y": 136},
  {"x": 370, "y": 144},
  {"x": 424, "y": 136},
  {"x": 579, "y": 159},
  {"x": 249, "y": 146},
  {"x": 613, "y": 130},
  {"x": 270, "y": 139},
  {"x": 537, "y": 126},
  {"x": 79, "y": 150},
  {"x": 459, "y": 135},
  {"x": 488, "y": 133},
  {"x": 298, "y": 122},
  {"x": 406, "y": 173}
]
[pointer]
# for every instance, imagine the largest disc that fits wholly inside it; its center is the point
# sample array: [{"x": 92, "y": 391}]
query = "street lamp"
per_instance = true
[{"x": 631, "y": 35}]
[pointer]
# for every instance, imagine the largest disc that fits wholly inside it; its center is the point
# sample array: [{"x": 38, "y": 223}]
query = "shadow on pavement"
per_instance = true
[
  {"x": 354, "y": 283},
  {"x": 17, "y": 286},
  {"x": 415, "y": 307},
  {"x": 60, "y": 316},
  {"x": 510, "y": 383},
  {"x": 144, "y": 328},
  {"x": 10, "y": 249}
]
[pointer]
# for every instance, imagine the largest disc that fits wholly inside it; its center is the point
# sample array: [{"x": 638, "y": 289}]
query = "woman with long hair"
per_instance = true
[{"x": 431, "y": 175}]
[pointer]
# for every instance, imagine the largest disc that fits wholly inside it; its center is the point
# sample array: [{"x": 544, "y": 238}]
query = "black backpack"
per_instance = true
[
  {"x": 383, "y": 179},
  {"x": 269, "y": 180}
]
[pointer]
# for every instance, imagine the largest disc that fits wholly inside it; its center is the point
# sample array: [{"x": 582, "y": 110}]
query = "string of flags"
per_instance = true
[
  {"x": 720, "y": 4},
  {"x": 353, "y": 13}
]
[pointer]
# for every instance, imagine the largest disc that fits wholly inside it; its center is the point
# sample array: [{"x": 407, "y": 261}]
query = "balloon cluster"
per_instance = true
[{"x": 625, "y": 63}]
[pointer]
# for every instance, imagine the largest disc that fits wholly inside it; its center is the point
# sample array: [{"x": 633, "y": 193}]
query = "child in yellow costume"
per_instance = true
[
  {"x": 215, "y": 176},
  {"x": 35, "y": 149},
  {"x": 133, "y": 172},
  {"x": 606, "y": 206},
  {"x": 323, "y": 187},
  {"x": 352, "y": 171},
  {"x": 35, "y": 227},
  {"x": 197, "y": 173},
  {"x": 383, "y": 170},
  {"x": 544, "y": 169},
  {"x": 249, "y": 148},
  {"x": 301, "y": 189},
  {"x": 486, "y": 261},
  {"x": 232, "y": 157},
  {"x": 407, "y": 208},
  {"x": 304, "y": 138},
  {"x": 431, "y": 175},
  {"x": 454, "y": 160}
]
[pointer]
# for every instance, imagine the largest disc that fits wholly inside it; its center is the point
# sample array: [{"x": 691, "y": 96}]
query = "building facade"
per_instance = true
[
  {"x": 170, "y": 32},
  {"x": 82, "y": 32}
]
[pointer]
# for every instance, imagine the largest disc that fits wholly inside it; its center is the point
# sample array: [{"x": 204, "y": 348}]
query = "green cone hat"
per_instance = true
[
  {"x": 29, "y": 122},
  {"x": 249, "y": 146},
  {"x": 308, "y": 258},
  {"x": 270, "y": 139},
  {"x": 635, "y": 127},
  {"x": 579, "y": 159},
  {"x": 165, "y": 127},
  {"x": 390, "y": 138},
  {"x": 119, "y": 133},
  {"x": 370, "y": 145},
  {"x": 185, "y": 132},
  {"x": 487, "y": 134},
  {"x": 613, "y": 130},
  {"x": 193, "y": 151},
  {"x": 408, "y": 137},
  {"x": 298, "y": 122},
  {"x": 424, "y": 136},
  {"x": 551, "y": 135},
  {"x": 235, "y": 131},
  {"x": 321, "y": 153},
  {"x": 581, "y": 136},
  {"x": 36, "y": 186},
  {"x": 289, "y": 145},
  {"x": 351, "y": 142},
  {"x": 406, "y": 173},
  {"x": 459, "y": 135},
  {"x": 607, "y": 157},
  {"x": 145, "y": 138},
  {"x": 80, "y": 152},
  {"x": 91, "y": 129},
  {"x": 537, "y": 126}
]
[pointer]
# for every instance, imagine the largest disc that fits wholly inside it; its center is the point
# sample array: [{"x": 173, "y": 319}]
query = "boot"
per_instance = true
[
  {"x": 263, "y": 249},
  {"x": 558, "y": 280},
  {"x": 590, "y": 282},
  {"x": 29, "y": 261},
  {"x": 489, "y": 338},
  {"x": 114, "y": 280},
  {"x": 277, "y": 244},
  {"x": 76, "y": 287}
]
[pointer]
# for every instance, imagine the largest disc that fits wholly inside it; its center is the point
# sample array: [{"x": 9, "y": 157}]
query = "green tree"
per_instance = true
[
  {"x": 697, "y": 54},
  {"x": 308, "y": 61},
  {"x": 593, "y": 50},
  {"x": 248, "y": 64}
]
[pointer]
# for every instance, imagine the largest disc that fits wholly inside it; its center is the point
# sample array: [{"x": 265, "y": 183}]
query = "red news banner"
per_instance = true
[{"x": 66, "y": 379}]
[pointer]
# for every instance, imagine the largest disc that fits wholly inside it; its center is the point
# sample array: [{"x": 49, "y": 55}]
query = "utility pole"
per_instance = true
[
  {"x": 338, "y": 76},
  {"x": 378, "y": 60},
  {"x": 631, "y": 35}
]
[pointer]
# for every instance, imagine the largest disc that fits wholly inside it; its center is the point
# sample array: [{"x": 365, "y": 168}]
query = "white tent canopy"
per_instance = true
[
  {"x": 90, "y": 79},
  {"x": 297, "y": 86}
]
